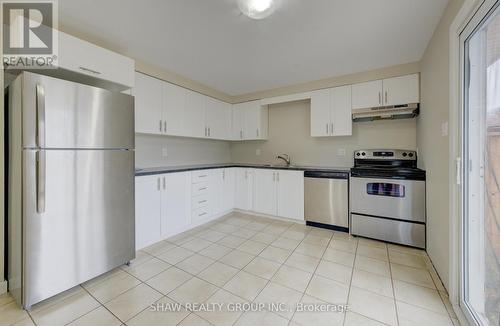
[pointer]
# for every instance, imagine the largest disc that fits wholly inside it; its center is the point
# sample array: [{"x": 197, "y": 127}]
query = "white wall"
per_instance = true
[
  {"x": 433, "y": 146},
  {"x": 289, "y": 132},
  {"x": 180, "y": 151}
]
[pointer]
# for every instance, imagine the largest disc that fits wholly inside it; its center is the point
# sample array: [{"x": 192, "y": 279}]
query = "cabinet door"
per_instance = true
[
  {"x": 341, "y": 113},
  {"x": 238, "y": 122},
  {"x": 290, "y": 193},
  {"x": 147, "y": 211},
  {"x": 218, "y": 119},
  {"x": 228, "y": 190},
  {"x": 176, "y": 203},
  {"x": 401, "y": 90},
  {"x": 244, "y": 189},
  {"x": 174, "y": 103},
  {"x": 215, "y": 191},
  {"x": 252, "y": 119},
  {"x": 265, "y": 191},
  {"x": 367, "y": 95},
  {"x": 194, "y": 115},
  {"x": 148, "y": 104},
  {"x": 320, "y": 113}
]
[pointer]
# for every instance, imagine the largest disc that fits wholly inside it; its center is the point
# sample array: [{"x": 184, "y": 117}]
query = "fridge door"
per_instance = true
[
  {"x": 60, "y": 114},
  {"x": 78, "y": 217}
]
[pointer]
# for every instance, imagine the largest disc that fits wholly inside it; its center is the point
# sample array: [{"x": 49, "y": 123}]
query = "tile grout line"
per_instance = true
[
  {"x": 350, "y": 282},
  {"x": 393, "y": 288}
]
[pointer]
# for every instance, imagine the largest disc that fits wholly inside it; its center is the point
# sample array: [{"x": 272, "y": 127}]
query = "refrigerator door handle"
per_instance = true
[
  {"x": 40, "y": 181},
  {"x": 40, "y": 116}
]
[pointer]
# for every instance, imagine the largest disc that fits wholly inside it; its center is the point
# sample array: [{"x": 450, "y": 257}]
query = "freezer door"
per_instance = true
[
  {"x": 78, "y": 217},
  {"x": 61, "y": 114}
]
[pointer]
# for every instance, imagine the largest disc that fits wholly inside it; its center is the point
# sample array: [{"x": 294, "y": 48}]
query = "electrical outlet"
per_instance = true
[
  {"x": 257, "y": 152},
  {"x": 341, "y": 152},
  {"x": 164, "y": 152}
]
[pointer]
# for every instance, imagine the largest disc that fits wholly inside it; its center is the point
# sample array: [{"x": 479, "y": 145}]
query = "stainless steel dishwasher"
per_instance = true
[{"x": 326, "y": 199}]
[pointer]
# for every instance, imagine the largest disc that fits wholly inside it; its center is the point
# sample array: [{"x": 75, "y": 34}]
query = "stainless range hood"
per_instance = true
[{"x": 386, "y": 112}]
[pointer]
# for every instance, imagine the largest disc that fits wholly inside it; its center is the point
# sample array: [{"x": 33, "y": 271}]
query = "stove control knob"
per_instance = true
[
  {"x": 357, "y": 154},
  {"x": 410, "y": 155},
  {"x": 363, "y": 153},
  {"x": 404, "y": 154}
]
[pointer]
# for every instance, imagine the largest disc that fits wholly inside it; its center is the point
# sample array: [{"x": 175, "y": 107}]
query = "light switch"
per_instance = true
[
  {"x": 164, "y": 152},
  {"x": 341, "y": 152},
  {"x": 444, "y": 129}
]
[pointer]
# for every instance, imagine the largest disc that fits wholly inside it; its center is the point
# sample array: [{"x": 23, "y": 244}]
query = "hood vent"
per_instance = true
[{"x": 405, "y": 111}]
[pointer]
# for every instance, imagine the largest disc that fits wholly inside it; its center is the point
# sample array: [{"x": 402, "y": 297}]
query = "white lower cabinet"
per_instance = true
[
  {"x": 148, "y": 198},
  {"x": 279, "y": 193},
  {"x": 171, "y": 203},
  {"x": 176, "y": 203},
  {"x": 243, "y": 195}
]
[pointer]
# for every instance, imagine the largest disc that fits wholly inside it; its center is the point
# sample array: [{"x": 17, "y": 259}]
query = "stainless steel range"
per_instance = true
[{"x": 388, "y": 197}]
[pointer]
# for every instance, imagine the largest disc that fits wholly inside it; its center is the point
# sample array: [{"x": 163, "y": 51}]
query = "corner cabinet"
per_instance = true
[
  {"x": 331, "y": 112},
  {"x": 250, "y": 121}
]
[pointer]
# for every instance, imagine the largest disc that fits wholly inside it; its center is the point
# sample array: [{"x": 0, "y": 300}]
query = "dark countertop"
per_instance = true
[{"x": 183, "y": 168}]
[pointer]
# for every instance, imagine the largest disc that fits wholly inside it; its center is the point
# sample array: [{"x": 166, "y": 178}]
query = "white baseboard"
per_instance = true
[
  {"x": 270, "y": 216},
  {"x": 3, "y": 287}
]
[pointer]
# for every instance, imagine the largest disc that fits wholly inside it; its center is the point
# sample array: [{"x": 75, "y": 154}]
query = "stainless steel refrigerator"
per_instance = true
[{"x": 70, "y": 185}]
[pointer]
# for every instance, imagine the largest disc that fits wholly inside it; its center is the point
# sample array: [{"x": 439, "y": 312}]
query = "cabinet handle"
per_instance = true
[
  {"x": 204, "y": 188},
  {"x": 165, "y": 126},
  {"x": 277, "y": 177},
  {"x": 327, "y": 128},
  {"x": 164, "y": 184},
  {"x": 202, "y": 214},
  {"x": 158, "y": 184},
  {"x": 202, "y": 201},
  {"x": 331, "y": 128},
  {"x": 246, "y": 174},
  {"x": 241, "y": 134},
  {"x": 95, "y": 72},
  {"x": 205, "y": 131},
  {"x": 379, "y": 98},
  {"x": 257, "y": 132},
  {"x": 202, "y": 176},
  {"x": 161, "y": 126},
  {"x": 274, "y": 176},
  {"x": 224, "y": 174},
  {"x": 385, "y": 97}
]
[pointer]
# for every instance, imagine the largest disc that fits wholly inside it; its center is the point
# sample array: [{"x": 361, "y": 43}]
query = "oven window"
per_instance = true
[{"x": 385, "y": 189}]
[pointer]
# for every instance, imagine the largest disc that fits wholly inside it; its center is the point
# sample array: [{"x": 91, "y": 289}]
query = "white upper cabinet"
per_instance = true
[
  {"x": 89, "y": 60},
  {"x": 341, "y": 112},
  {"x": 218, "y": 117},
  {"x": 320, "y": 113},
  {"x": 367, "y": 95},
  {"x": 386, "y": 92},
  {"x": 174, "y": 103},
  {"x": 193, "y": 123},
  {"x": 148, "y": 104},
  {"x": 331, "y": 112},
  {"x": 250, "y": 121},
  {"x": 401, "y": 90}
]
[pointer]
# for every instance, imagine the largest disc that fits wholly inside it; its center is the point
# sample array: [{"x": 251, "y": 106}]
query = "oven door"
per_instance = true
[{"x": 393, "y": 198}]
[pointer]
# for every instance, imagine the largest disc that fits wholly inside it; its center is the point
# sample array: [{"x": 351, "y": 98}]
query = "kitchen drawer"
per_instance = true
[
  {"x": 199, "y": 202},
  {"x": 199, "y": 189},
  {"x": 200, "y": 214},
  {"x": 200, "y": 176},
  {"x": 407, "y": 233}
]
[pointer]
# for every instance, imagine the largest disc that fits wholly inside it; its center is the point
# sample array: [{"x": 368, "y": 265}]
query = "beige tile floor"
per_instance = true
[{"x": 240, "y": 259}]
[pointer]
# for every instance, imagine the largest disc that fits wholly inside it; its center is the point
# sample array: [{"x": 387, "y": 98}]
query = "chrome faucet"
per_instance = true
[{"x": 284, "y": 157}]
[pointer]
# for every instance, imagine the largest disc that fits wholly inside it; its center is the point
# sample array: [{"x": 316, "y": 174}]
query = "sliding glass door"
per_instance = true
[{"x": 480, "y": 275}]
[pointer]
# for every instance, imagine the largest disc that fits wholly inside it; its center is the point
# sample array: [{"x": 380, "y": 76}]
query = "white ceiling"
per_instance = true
[{"x": 211, "y": 42}]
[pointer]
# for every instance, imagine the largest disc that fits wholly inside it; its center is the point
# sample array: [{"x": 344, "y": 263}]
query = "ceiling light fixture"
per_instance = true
[{"x": 257, "y": 9}]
